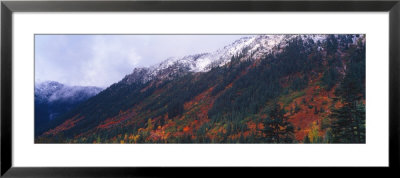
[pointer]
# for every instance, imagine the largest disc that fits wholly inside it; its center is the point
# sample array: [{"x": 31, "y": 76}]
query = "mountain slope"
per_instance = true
[
  {"x": 53, "y": 99},
  {"x": 254, "y": 47},
  {"x": 229, "y": 96}
]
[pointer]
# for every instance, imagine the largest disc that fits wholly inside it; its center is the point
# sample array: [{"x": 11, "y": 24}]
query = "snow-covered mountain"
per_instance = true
[
  {"x": 254, "y": 47},
  {"x": 52, "y": 99},
  {"x": 52, "y": 91}
]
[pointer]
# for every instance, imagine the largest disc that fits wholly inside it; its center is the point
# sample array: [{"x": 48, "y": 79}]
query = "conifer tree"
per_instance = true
[
  {"x": 276, "y": 127},
  {"x": 349, "y": 120},
  {"x": 306, "y": 139}
]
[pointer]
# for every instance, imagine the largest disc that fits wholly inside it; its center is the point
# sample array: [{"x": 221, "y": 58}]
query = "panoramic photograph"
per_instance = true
[{"x": 202, "y": 89}]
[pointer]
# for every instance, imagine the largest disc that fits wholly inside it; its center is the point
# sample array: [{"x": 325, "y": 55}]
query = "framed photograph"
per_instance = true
[{"x": 141, "y": 88}]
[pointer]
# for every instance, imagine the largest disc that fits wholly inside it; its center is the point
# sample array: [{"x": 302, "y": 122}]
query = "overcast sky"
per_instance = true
[{"x": 101, "y": 60}]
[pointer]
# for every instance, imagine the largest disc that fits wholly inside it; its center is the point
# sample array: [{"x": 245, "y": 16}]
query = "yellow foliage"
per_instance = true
[
  {"x": 131, "y": 136},
  {"x": 135, "y": 138},
  {"x": 313, "y": 134},
  {"x": 281, "y": 128},
  {"x": 149, "y": 125}
]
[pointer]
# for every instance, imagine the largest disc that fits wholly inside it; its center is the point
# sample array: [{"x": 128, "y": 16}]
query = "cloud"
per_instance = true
[
  {"x": 86, "y": 60},
  {"x": 101, "y": 60},
  {"x": 111, "y": 58}
]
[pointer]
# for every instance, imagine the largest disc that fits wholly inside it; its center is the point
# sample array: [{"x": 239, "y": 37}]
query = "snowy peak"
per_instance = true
[
  {"x": 46, "y": 89},
  {"x": 177, "y": 66},
  {"x": 50, "y": 91},
  {"x": 253, "y": 47}
]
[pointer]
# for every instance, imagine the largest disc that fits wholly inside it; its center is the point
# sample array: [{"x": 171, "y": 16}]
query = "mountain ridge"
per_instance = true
[
  {"x": 53, "y": 99},
  {"x": 254, "y": 47}
]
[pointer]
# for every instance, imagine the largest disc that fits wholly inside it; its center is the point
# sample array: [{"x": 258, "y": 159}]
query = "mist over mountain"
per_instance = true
[{"x": 53, "y": 99}]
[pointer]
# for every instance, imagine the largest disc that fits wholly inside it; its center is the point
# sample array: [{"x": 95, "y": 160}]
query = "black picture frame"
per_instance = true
[{"x": 8, "y": 7}]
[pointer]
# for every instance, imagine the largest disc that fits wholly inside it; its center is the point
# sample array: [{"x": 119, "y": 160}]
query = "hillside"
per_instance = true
[
  {"x": 261, "y": 89},
  {"x": 53, "y": 99}
]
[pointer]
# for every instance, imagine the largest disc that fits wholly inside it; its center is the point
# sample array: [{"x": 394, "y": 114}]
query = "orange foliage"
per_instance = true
[
  {"x": 122, "y": 116},
  {"x": 254, "y": 128},
  {"x": 186, "y": 129},
  {"x": 64, "y": 126},
  {"x": 303, "y": 120},
  {"x": 229, "y": 86}
]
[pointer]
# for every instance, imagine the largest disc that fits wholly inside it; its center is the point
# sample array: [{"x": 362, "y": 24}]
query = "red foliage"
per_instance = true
[
  {"x": 68, "y": 124},
  {"x": 122, "y": 116},
  {"x": 315, "y": 97}
]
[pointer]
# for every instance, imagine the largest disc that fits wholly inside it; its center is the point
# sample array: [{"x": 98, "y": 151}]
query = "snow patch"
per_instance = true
[{"x": 51, "y": 91}]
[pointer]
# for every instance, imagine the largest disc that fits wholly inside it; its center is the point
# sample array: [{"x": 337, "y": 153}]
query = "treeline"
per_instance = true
[{"x": 262, "y": 83}]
